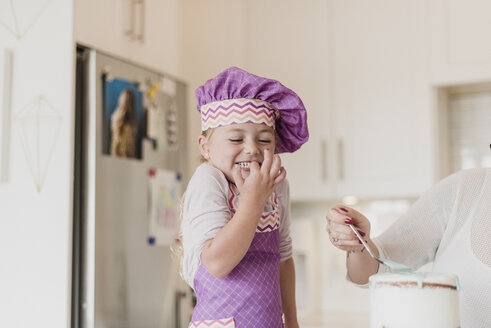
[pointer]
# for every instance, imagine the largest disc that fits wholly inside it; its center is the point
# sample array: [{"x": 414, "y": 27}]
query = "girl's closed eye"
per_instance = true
[
  {"x": 235, "y": 140},
  {"x": 265, "y": 138},
  {"x": 265, "y": 141}
]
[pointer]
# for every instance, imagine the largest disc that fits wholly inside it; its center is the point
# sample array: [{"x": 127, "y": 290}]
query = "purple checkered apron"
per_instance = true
[{"x": 250, "y": 293}]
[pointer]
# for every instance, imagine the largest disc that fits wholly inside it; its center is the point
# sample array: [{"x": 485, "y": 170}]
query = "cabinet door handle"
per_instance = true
[
  {"x": 340, "y": 159},
  {"x": 129, "y": 12},
  {"x": 324, "y": 162},
  {"x": 139, "y": 13}
]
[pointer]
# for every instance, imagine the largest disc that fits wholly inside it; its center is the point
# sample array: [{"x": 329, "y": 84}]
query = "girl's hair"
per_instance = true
[{"x": 206, "y": 134}]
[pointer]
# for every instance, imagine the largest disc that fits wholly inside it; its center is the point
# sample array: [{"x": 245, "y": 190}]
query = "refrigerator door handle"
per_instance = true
[{"x": 178, "y": 296}]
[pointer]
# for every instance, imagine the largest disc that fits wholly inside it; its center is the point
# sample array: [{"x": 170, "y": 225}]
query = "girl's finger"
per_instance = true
[
  {"x": 254, "y": 167},
  {"x": 239, "y": 181},
  {"x": 275, "y": 166},
  {"x": 267, "y": 161},
  {"x": 280, "y": 177}
]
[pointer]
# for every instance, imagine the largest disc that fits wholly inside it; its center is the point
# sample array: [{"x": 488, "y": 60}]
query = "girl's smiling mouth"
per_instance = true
[{"x": 245, "y": 165}]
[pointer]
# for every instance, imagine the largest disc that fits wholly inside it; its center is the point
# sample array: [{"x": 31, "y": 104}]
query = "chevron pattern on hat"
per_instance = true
[{"x": 235, "y": 111}]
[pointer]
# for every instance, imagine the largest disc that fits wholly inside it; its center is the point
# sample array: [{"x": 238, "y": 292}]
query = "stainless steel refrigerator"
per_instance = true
[{"x": 122, "y": 275}]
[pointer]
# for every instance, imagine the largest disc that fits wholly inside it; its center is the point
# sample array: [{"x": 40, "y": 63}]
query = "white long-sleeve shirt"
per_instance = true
[
  {"x": 206, "y": 210},
  {"x": 450, "y": 225}
]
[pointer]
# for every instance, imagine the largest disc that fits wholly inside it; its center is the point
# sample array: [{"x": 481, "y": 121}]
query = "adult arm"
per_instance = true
[{"x": 412, "y": 240}]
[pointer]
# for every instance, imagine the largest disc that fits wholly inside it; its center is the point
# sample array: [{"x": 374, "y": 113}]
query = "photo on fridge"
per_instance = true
[{"x": 123, "y": 119}]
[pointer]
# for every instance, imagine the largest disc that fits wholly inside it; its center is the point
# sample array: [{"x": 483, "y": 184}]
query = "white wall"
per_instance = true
[
  {"x": 35, "y": 225},
  {"x": 212, "y": 39}
]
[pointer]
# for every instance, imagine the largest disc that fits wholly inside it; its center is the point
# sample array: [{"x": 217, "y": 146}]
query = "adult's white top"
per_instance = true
[{"x": 450, "y": 225}]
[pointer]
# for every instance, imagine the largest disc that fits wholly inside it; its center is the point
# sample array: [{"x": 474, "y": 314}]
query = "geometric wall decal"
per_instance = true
[
  {"x": 18, "y": 16},
  {"x": 38, "y": 125}
]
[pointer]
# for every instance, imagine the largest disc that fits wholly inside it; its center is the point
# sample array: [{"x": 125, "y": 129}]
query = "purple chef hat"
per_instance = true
[{"x": 236, "y": 96}]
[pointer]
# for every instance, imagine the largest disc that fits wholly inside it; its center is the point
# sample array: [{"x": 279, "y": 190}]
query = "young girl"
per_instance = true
[{"x": 236, "y": 217}]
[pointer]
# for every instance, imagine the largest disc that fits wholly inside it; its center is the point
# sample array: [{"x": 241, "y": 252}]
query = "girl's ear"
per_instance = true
[{"x": 204, "y": 148}]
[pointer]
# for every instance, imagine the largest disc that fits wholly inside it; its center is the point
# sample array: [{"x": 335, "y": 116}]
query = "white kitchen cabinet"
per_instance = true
[
  {"x": 161, "y": 36},
  {"x": 361, "y": 70},
  {"x": 459, "y": 38},
  {"x": 105, "y": 25},
  {"x": 380, "y": 98},
  {"x": 295, "y": 53},
  {"x": 143, "y": 31}
]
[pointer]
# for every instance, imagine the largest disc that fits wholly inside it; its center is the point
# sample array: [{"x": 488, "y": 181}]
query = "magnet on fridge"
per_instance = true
[
  {"x": 178, "y": 176},
  {"x": 152, "y": 91},
  {"x": 151, "y": 240},
  {"x": 141, "y": 84},
  {"x": 152, "y": 171},
  {"x": 106, "y": 73}
]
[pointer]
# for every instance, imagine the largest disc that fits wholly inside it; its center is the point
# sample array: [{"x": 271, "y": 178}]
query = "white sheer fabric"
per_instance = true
[{"x": 450, "y": 225}]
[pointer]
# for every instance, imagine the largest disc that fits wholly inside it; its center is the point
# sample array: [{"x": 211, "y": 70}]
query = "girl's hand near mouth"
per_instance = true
[{"x": 262, "y": 180}]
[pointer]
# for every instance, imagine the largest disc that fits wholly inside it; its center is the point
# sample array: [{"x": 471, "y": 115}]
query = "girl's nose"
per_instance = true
[{"x": 251, "y": 148}]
